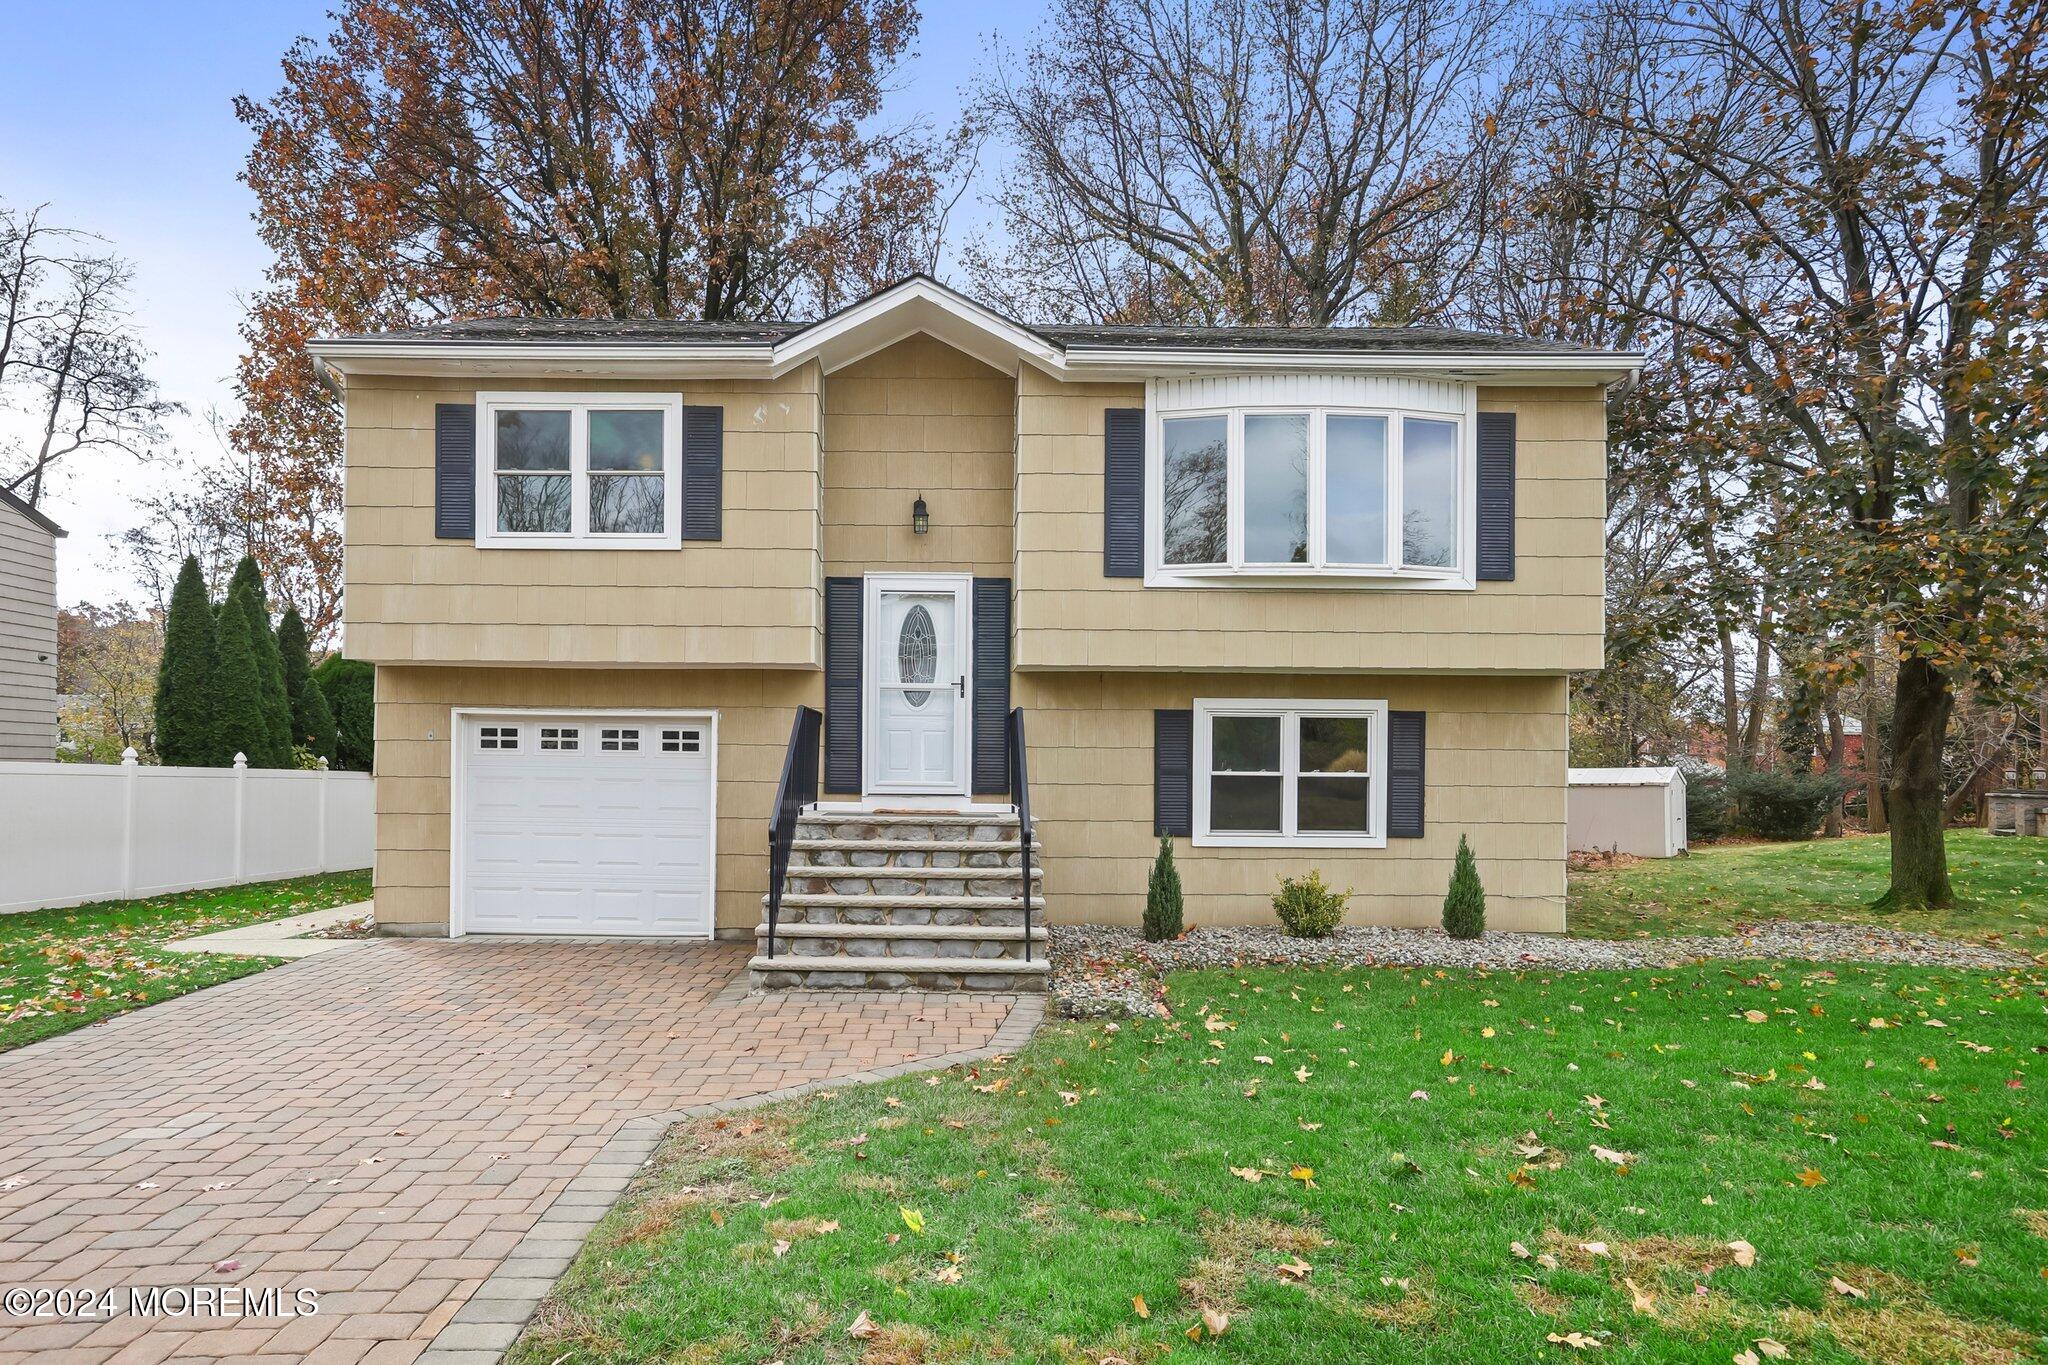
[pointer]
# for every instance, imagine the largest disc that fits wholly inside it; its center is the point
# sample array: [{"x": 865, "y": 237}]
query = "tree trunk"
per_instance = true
[
  {"x": 1921, "y": 702},
  {"x": 1760, "y": 688},
  {"x": 1837, "y": 758},
  {"x": 1873, "y": 770}
]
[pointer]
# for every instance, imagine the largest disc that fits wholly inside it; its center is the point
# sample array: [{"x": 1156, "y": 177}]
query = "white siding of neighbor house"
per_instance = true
[{"x": 28, "y": 638}]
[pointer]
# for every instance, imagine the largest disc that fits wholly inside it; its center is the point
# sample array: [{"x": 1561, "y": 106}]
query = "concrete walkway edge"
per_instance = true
[{"x": 487, "y": 1325}]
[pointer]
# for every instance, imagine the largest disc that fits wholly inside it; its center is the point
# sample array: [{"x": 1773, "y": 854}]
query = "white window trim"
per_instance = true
[
  {"x": 1317, "y": 572},
  {"x": 1375, "y": 712},
  {"x": 578, "y": 405}
]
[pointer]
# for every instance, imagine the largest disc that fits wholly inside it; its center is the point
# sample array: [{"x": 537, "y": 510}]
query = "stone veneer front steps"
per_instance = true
[{"x": 900, "y": 901}]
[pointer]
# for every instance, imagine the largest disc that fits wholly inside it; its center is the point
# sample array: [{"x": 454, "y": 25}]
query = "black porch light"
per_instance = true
[{"x": 920, "y": 517}]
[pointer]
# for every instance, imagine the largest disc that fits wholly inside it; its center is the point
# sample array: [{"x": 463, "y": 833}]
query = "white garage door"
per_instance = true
[{"x": 586, "y": 824}]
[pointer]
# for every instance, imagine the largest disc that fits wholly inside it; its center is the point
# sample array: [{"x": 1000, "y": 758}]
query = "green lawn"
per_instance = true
[
  {"x": 2003, "y": 883},
  {"x": 60, "y": 969},
  {"x": 1449, "y": 1167}
]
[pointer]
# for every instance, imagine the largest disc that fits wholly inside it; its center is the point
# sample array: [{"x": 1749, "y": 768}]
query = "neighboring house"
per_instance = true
[
  {"x": 1297, "y": 597},
  {"x": 28, "y": 631}
]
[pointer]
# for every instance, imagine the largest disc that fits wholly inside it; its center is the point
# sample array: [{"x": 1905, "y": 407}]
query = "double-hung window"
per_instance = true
[
  {"x": 601, "y": 470},
  {"x": 1295, "y": 773},
  {"x": 1310, "y": 491}
]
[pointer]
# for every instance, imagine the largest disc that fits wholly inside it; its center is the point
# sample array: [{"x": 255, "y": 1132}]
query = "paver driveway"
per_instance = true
[{"x": 382, "y": 1125}]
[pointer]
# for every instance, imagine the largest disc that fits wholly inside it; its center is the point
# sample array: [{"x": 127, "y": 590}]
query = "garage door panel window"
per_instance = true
[
  {"x": 601, "y": 470},
  {"x": 680, "y": 742},
  {"x": 618, "y": 741},
  {"x": 498, "y": 737},
  {"x": 1291, "y": 772},
  {"x": 561, "y": 738}
]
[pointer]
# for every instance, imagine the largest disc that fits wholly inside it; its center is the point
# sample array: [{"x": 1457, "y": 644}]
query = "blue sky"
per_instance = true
[{"x": 119, "y": 116}]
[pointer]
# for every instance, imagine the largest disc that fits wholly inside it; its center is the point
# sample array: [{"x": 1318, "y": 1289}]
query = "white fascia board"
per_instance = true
[
  {"x": 916, "y": 305},
  {"x": 1128, "y": 363},
  {"x": 540, "y": 359}
]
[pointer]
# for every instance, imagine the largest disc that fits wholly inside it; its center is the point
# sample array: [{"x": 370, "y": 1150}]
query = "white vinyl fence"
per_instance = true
[{"x": 77, "y": 832}]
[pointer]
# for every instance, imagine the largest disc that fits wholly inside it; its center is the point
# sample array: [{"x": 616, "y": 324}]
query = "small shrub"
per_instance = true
[
  {"x": 1308, "y": 908},
  {"x": 1782, "y": 805},
  {"x": 1162, "y": 897},
  {"x": 1465, "y": 904},
  {"x": 1706, "y": 806}
]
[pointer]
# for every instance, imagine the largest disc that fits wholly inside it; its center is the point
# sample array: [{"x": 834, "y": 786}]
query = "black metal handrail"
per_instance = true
[
  {"x": 797, "y": 789},
  {"x": 1020, "y": 793}
]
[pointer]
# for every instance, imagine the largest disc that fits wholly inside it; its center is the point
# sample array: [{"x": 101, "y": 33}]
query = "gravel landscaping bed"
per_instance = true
[{"x": 1100, "y": 971}]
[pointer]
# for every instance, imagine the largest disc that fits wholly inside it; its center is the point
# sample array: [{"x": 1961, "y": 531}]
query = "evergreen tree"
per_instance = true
[
  {"x": 274, "y": 701},
  {"x": 350, "y": 687},
  {"x": 297, "y": 660},
  {"x": 239, "y": 724},
  {"x": 319, "y": 729},
  {"x": 1162, "y": 896},
  {"x": 1465, "y": 906},
  {"x": 184, "y": 676}
]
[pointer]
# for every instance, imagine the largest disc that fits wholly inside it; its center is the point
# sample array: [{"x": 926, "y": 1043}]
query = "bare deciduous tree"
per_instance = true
[
  {"x": 70, "y": 361},
  {"x": 1247, "y": 161}
]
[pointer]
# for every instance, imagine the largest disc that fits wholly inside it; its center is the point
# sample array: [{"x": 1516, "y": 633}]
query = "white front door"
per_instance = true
[{"x": 917, "y": 666}]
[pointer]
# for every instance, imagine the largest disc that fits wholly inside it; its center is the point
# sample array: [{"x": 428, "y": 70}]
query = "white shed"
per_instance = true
[{"x": 1626, "y": 810}]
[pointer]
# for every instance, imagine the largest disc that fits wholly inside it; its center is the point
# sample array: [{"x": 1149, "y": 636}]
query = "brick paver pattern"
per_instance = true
[{"x": 381, "y": 1125}]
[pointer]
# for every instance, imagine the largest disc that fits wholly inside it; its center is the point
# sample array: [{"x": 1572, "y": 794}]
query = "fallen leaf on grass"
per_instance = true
[
  {"x": 912, "y": 1219},
  {"x": 1610, "y": 1156},
  {"x": 1756, "y": 1016},
  {"x": 1776, "y": 1350},
  {"x": 1305, "y": 1174},
  {"x": 949, "y": 1274},
  {"x": 1594, "y": 1248},
  {"x": 1640, "y": 1299},
  {"x": 1745, "y": 1254},
  {"x": 1295, "y": 1269},
  {"x": 1216, "y": 1321},
  {"x": 781, "y": 1249},
  {"x": 863, "y": 1327},
  {"x": 1844, "y": 1288},
  {"x": 1521, "y": 1253},
  {"x": 1250, "y": 1174},
  {"x": 1138, "y": 1306},
  {"x": 1747, "y": 1357},
  {"x": 1812, "y": 1178},
  {"x": 1578, "y": 1341}
]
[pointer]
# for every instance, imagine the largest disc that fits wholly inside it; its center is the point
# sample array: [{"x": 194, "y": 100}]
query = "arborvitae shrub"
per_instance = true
[
  {"x": 1465, "y": 905},
  {"x": 1162, "y": 896}
]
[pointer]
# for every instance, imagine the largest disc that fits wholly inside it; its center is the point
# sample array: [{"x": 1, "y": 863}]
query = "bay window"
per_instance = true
[
  {"x": 1322, "y": 492},
  {"x": 1296, "y": 773},
  {"x": 601, "y": 470}
]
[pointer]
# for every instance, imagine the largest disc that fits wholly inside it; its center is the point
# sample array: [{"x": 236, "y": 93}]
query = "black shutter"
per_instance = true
[
  {"x": 1173, "y": 772},
  {"x": 842, "y": 684},
  {"x": 1123, "y": 493},
  {"x": 1496, "y": 497},
  {"x": 454, "y": 471},
  {"x": 703, "y": 472},
  {"x": 991, "y": 686},
  {"x": 1405, "y": 748}
]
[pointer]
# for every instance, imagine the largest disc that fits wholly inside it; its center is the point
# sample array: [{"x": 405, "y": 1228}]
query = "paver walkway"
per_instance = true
[{"x": 382, "y": 1125}]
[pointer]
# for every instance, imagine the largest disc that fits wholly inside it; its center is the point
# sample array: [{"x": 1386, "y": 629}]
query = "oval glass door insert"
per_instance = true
[{"x": 917, "y": 652}]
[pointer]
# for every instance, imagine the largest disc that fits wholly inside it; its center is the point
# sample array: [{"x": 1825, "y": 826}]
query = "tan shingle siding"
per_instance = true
[{"x": 751, "y": 597}]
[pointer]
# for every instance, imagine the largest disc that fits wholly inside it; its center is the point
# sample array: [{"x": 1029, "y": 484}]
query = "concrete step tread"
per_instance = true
[
  {"x": 913, "y": 845},
  {"x": 848, "y": 870},
  {"x": 873, "y": 902},
  {"x": 973, "y": 966},
  {"x": 994, "y": 815},
  {"x": 1008, "y": 933}
]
